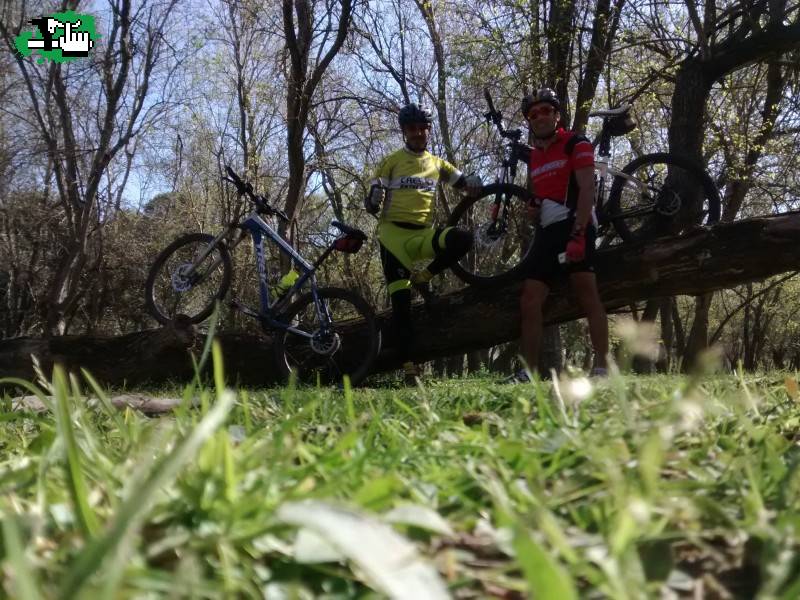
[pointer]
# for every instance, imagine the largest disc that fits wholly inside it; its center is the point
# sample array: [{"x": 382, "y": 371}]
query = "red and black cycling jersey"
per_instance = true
[{"x": 551, "y": 171}]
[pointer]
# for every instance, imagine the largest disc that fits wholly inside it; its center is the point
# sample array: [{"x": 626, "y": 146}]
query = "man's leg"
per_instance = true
[
  {"x": 446, "y": 246},
  {"x": 584, "y": 284},
  {"x": 399, "y": 288},
  {"x": 534, "y": 293},
  {"x": 449, "y": 245},
  {"x": 404, "y": 332}
]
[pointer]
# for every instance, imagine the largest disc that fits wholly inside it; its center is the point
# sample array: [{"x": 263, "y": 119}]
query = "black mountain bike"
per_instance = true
[
  {"x": 323, "y": 335},
  {"x": 644, "y": 194}
]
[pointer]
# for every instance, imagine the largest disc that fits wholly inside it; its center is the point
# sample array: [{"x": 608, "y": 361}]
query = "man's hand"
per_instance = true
[
  {"x": 473, "y": 185},
  {"x": 373, "y": 201},
  {"x": 576, "y": 246}
]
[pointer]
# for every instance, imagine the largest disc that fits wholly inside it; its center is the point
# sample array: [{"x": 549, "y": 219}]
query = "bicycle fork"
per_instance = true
[
  {"x": 323, "y": 312},
  {"x": 210, "y": 248}
]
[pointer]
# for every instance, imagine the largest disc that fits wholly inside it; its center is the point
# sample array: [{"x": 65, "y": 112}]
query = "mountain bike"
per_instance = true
[
  {"x": 644, "y": 194},
  {"x": 324, "y": 334}
]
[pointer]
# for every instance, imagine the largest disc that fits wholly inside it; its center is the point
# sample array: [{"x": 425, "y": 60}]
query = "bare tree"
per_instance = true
[
  {"x": 311, "y": 50},
  {"x": 82, "y": 139},
  {"x": 604, "y": 30},
  {"x": 739, "y": 36},
  {"x": 743, "y": 34}
]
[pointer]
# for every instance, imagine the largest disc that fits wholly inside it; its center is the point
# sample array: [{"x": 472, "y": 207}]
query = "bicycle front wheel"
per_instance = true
[
  {"x": 187, "y": 279},
  {"x": 333, "y": 336},
  {"x": 502, "y": 233},
  {"x": 654, "y": 188}
]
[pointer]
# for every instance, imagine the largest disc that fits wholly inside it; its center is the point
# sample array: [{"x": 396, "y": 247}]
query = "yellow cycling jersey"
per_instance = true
[{"x": 411, "y": 180}]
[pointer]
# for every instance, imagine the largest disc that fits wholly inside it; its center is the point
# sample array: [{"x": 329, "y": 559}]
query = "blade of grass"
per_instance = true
[
  {"x": 548, "y": 580},
  {"x": 33, "y": 389},
  {"x": 207, "y": 346},
  {"x": 348, "y": 399},
  {"x": 24, "y": 579},
  {"x": 75, "y": 477},
  {"x": 109, "y": 408},
  {"x": 391, "y": 563},
  {"x": 219, "y": 372},
  {"x": 133, "y": 509}
]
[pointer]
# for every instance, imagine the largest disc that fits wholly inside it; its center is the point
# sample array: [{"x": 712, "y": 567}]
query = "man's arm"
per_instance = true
[
  {"x": 576, "y": 246},
  {"x": 469, "y": 183},
  {"x": 522, "y": 152},
  {"x": 378, "y": 185},
  {"x": 583, "y": 212}
]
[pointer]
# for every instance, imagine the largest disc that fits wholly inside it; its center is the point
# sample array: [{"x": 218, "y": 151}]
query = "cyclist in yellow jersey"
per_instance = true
[{"x": 402, "y": 196}]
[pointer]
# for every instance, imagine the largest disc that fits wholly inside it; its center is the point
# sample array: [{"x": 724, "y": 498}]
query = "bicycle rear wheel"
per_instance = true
[
  {"x": 180, "y": 283},
  {"x": 654, "y": 189},
  {"x": 349, "y": 347},
  {"x": 503, "y": 234}
]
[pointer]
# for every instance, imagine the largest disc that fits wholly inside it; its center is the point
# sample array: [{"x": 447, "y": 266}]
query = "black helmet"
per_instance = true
[
  {"x": 541, "y": 95},
  {"x": 414, "y": 113}
]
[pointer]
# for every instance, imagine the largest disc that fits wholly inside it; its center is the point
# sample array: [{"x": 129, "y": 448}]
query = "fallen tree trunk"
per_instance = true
[
  {"x": 147, "y": 357},
  {"x": 695, "y": 263},
  {"x": 701, "y": 261},
  {"x": 149, "y": 405}
]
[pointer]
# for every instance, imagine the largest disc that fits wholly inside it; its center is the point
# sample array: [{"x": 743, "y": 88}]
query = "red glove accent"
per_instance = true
[{"x": 576, "y": 248}]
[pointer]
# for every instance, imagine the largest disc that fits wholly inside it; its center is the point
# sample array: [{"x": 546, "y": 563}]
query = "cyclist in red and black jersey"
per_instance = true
[{"x": 562, "y": 174}]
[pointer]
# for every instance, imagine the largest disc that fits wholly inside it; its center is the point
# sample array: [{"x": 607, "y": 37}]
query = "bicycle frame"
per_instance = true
[
  {"x": 268, "y": 313},
  {"x": 259, "y": 229},
  {"x": 604, "y": 169}
]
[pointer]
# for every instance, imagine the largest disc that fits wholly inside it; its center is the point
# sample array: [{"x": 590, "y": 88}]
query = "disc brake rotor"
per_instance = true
[
  {"x": 488, "y": 235},
  {"x": 325, "y": 343}
]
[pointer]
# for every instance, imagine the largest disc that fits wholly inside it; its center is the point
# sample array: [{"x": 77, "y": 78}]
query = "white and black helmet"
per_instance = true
[
  {"x": 414, "y": 113},
  {"x": 540, "y": 95}
]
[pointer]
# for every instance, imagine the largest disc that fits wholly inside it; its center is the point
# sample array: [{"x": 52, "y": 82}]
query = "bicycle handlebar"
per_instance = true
[
  {"x": 488, "y": 96},
  {"x": 496, "y": 117},
  {"x": 246, "y": 189}
]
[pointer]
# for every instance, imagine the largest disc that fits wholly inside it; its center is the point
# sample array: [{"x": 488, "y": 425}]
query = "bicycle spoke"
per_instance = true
[
  {"x": 179, "y": 285},
  {"x": 661, "y": 192},
  {"x": 342, "y": 349},
  {"x": 502, "y": 234}
]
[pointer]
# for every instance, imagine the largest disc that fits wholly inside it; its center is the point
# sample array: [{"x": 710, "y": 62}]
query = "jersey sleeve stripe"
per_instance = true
[{"x": 454, "y": 176}]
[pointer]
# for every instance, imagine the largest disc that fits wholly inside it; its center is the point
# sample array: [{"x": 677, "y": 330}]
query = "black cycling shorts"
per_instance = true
[{"x": 548, "y": 243}]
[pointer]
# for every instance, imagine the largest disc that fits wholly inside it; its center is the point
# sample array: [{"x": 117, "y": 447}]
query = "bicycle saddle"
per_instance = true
[
  {"x": 611, "y": 112},
  {"x": 346, "y": 229}
]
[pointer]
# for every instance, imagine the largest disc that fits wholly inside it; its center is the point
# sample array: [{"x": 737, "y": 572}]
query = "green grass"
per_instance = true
[{"x": 459, "y": 488}]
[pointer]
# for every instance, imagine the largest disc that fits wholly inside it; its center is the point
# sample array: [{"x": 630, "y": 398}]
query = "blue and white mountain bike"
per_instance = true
[{"x": 325, "y": 334}]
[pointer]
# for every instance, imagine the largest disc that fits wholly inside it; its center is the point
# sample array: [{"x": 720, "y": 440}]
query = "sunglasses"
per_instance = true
[
  {"x": 417, "y": 127},
  {"x": 544, "y": 111}
]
